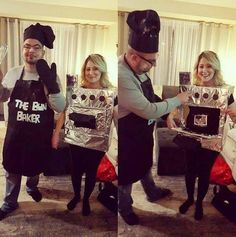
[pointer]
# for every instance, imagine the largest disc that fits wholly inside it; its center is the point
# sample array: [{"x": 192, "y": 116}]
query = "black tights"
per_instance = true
[
  {"x": 84, "y": 161},
  {"x": 199, "y": 164}
]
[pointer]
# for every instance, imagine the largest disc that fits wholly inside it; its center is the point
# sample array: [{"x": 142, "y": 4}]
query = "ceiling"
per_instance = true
[
  {"x": 223, "y": 11},
  {"x": 113, "y": 4},
  {"x": 219, "y": 11},
  {"x": 218, "y": 3},
  {"x": 97, "y": 4}
]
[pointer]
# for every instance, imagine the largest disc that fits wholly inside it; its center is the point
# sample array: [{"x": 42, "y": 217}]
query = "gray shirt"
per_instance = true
[{"x": 132, "y": 100}]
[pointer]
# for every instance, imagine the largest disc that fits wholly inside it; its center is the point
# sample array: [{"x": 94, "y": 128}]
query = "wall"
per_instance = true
[{"x": 52, "y": 12}]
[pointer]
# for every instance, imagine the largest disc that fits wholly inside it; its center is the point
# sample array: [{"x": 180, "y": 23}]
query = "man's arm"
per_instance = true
[
  {"x": 57, "y": 102},
  {"x": 132, "y": 99}
]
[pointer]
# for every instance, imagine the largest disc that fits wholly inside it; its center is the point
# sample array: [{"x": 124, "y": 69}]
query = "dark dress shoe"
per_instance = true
[
  {"x": 185, "y": 206},
  {"x": 86, "y": 208},
  {"x": 131, "y": 219},
  {"x": 198, "y": 215},
  {"x": 3, "y": 214},
  {"x": 73, "y": 202},
  {"x": 162, "y": 192},
  {"x": 36, "y": 196}
]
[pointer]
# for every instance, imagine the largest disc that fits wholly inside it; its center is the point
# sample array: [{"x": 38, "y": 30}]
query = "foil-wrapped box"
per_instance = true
[
  {"x": 203, "y": 117},
  {"x": 89, "y": 117}
]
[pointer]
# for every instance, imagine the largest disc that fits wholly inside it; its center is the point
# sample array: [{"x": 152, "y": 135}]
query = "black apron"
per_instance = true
[
  {"x": 135, "y": 146},
  {"x": 27, "y": 144}
]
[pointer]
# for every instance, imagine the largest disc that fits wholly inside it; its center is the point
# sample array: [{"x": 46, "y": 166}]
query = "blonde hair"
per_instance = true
[
  {"x": 214, "y": 61},
  {"x": 100, "y": 63}
]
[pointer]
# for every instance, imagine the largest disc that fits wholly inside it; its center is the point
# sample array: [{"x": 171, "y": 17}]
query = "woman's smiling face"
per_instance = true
[
  {"x": 205, "y": 72},
  {"x": 92, "y": 75}
]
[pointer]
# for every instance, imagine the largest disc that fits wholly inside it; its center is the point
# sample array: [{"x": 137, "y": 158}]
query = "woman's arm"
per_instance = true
[
  {"x": 56, "y": 134},
  {"x": 231, "y": 111},
  {"x": 170, "y": 119}
]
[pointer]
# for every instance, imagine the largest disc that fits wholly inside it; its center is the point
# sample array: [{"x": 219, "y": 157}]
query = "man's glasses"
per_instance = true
[
  {"x": 34, "y": 47},
  {"x": 153, "y": 62}
]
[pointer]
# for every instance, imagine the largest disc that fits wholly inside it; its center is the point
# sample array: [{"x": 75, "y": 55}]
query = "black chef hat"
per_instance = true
[
  {"x": 44, "y": 34},
  {"x": 144, "y": 28}
]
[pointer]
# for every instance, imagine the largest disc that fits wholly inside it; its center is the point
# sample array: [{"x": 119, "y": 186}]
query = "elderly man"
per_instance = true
[
  {"x": 138, "y": 109},
  {"x": 34, "y": 93}
]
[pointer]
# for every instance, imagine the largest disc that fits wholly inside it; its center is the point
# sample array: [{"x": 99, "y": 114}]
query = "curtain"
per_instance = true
[
  {"x": 178, "y": 48},
  {"x": 9, "y": 35},
  {"x": 217, "y": 37},
  {"x": 91, "y": 39},
  {"x": 123, "y": 32}
]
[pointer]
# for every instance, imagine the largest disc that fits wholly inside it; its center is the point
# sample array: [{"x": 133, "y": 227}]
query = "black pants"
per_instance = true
[
  {"x": 86, "y": 161},
  {"x": 199, "y": 164}
]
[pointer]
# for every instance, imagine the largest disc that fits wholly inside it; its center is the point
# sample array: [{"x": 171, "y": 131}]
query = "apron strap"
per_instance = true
[{"x": 22, "y": 74}]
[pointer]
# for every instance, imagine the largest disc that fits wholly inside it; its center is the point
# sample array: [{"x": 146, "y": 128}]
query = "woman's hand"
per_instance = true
[
  {"x": 232, "y": 113},
  {"x": 170, "y": 121}
]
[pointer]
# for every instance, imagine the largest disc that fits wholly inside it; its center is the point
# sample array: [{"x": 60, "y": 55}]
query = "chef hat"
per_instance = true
[
  {"x": 42, "y": 33},
  {"x": 144, "y": 28}
]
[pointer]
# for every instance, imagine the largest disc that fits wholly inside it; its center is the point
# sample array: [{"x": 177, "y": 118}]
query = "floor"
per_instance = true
[
  {"x": 49, "y": 218},
  {"x": 161, "y": 219}
]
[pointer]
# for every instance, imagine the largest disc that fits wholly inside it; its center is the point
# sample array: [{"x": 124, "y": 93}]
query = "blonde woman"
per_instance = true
[
  {"x": 85, "y": 160},
  {"x": 207, "y": 72}
]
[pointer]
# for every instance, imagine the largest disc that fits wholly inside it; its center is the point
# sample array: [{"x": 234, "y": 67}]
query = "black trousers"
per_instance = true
[
  {"x": 84, "y": 160},
  {"x": 199, "y": 164}
]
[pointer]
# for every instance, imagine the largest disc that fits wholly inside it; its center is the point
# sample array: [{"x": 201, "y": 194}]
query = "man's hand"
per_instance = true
[
  {"x": 48, "y": 76},
  {"x": 184, "y": 97}
]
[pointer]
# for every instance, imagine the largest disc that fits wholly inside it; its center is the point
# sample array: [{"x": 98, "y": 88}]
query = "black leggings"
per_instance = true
[
  {"x": 199, "y": 164},
  {"x": 84, "y": 160}
]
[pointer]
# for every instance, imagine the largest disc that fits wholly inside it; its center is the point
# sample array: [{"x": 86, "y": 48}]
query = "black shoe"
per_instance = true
[
  {"x": 36, "y": 195},
  {"x": 131, "y": 219},
  {"x": 162, "y": 192},
  {"x": 73, "y": 202},
  {"x": 185, "y": 206},
  {"x": 3, "y": 214},
  {"x": 198, "y": 212},
  {"x": 86, "y": 208}
]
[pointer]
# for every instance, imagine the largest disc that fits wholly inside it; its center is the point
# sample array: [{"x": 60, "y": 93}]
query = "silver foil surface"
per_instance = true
[
  {"x": 89, "y": 117},
  {"x": 210, "y": 99}
]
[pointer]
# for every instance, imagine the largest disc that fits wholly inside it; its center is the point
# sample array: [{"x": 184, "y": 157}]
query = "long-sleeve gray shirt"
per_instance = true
[
  {"x": 56, "y": 101},
  {"x": 132, "y": 100}
]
